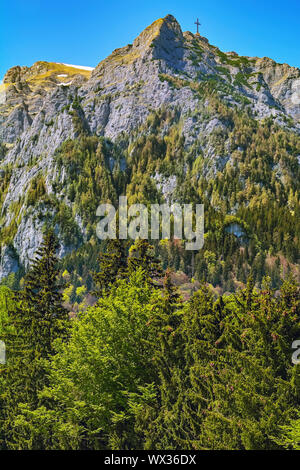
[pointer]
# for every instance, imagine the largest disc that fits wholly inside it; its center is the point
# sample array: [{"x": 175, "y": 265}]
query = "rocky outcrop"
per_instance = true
[
  {"x": 9, "y": 262},
  {"x": 44, "y": 105}
]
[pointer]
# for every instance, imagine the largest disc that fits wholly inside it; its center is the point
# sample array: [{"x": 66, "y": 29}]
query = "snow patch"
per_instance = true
[
  {"x": 65, "y": 83},
  {"x": 82, "y": 67}
]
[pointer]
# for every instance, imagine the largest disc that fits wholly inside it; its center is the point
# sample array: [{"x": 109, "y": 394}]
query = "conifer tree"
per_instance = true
[
  {"x": 228, "y": 382},
  {"x": 32, "y": 328},
  {"x": 113, "y": 266},
  {"x": 290, "y": 434},
  {"x": 155, "y": 409},
  {"x": 141, "y": 255},
  {"x": 165, "y": 322},
  {"x": 43, "y": 297}
]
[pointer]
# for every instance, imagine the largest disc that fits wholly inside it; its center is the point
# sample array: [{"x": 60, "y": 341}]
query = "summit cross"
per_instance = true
[{"x": 198, "y": 24}]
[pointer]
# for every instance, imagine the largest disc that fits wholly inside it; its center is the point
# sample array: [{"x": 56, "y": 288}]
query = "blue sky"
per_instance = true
[{"x": 85, "y": 32}]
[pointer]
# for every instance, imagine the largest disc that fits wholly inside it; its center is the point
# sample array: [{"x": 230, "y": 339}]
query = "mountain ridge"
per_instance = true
[
  {"x": 165, "y": 72},
  {"x": 270, "y": 85}
]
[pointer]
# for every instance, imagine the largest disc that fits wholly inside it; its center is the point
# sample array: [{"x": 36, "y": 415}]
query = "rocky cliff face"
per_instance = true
[{"x": 44, "y": 105}]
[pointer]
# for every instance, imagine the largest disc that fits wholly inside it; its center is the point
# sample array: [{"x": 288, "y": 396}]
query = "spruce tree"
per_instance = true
[
  {"x": 113, "y": 266},
  {"x": 43, "y": 297},
  {"x": 141, "y": 255},
  {"x": 32, "y": 328},
  {"x": 156, "y": 410}
]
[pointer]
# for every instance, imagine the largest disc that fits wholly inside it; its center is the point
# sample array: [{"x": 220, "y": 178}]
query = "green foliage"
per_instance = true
[
  {"x": 231, "y": 383},
  {"x": 7, "y": 304},
  {"x": 252, "y": 179},
  {"x": 141, "y": 255},
  {"x": 241, "y": 79},
  {"x": 142, "y": 369},
  {"x": 113, "y": 265},
  {"x": 34, "y": 321},
  {"x": 107, "y": 357},
  {"x": 36, "y": 191},
  {"x": 5, "y": 176},
  {"x": 69, "y": 229},
  {"x": 290, "y": 435},
  {"x": 116, "y": 264},
  {"x": 89, "y": 179}
]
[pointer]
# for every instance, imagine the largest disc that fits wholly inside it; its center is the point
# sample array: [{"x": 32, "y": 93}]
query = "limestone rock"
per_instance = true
[{"x": 164, "y": 67}]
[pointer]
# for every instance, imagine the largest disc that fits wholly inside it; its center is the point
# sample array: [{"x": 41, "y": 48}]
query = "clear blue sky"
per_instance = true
[{"x": 85, "y": 32}]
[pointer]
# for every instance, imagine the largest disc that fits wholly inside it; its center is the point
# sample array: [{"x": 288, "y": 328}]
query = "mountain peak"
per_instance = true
[
  {"x": 165, "y": 28},
  {"x": 161, "y": 39},
  {"x": 182, "y": 92}
]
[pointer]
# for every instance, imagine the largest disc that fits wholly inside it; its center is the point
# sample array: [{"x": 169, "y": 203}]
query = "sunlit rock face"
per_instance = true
[{"x": 44, "y": 105}]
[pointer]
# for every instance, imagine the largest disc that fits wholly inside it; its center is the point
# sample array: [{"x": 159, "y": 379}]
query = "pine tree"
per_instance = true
[
  {"x": 156, "y": 409},
  {"x": 43, "y": 297},
  {"x": 165, "y": 322},
  {"x": 141, "y": 255},
  {"x": 225, "y": 377},
  {"x": 290, "y": 434},
  {"x": 113, "y": 266},
  {"x": 32, "y": 328}
]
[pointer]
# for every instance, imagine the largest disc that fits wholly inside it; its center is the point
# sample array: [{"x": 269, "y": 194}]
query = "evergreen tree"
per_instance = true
[
  {"x": 141, "y": 255},
  {"x": 290, "y": 435},
  {"x": 157, "y": 405},
  {"x": 228, "y": 381},
  {"x": 108, "y": 357},
  {"x": 113, "y": 266},
  {"x": 42, "y": 296},
  {"x": 30, "y": 333}
]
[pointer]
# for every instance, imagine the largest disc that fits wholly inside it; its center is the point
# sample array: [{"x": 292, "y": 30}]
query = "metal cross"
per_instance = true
[{"x": 198, "y": 24}]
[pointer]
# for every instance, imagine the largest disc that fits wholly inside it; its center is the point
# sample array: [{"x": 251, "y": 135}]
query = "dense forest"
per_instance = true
[
  {"x": 143, "y": 368},
  {"x": 140, "y": 343},
  {"x": 252, "y": 187}
]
